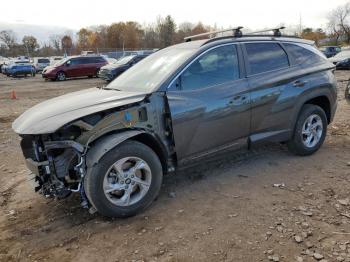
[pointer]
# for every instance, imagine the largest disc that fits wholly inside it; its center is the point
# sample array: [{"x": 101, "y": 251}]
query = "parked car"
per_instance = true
[
  {"x": 111, "y": 71},
  {"x": 3, "y": 61},
  {"x": 54, "y": 60},
  {"x": 330, "y": 51},
  {"x": 40, "y": 63},
  {"x": 180, "y": 105},
  {"x": 18, "y": 68},
  {"x": 341, "y": 60},
  {"x": 76, "y": 66}
]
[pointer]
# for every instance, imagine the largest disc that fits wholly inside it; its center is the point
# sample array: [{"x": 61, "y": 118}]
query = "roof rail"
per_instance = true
[
  {"x": 276, "y": 31},
  {"x": 235, "y": 31}
]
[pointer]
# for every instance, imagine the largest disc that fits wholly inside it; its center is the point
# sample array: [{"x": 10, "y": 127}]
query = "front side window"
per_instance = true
[
  {"x": 75, "y": 61},
  {"x": 215, "y": 67},
  {"x": 264, "y": 57}
]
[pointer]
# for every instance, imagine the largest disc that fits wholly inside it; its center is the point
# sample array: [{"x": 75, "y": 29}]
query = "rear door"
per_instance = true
[
  {"x": 269, "y": 75},
  {"x": 210, "y": 103}
]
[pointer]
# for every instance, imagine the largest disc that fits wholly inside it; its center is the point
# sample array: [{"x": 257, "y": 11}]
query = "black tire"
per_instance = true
[
  {"x": 296, "y": 144},
  {"x": 93, "y": 181},
  {"x": 61, "y": 76}
]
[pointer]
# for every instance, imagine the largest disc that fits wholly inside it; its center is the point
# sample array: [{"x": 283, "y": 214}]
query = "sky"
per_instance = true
[{"x": 75, "y": 14}]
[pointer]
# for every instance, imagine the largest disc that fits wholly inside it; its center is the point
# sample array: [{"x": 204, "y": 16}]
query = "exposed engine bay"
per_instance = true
[{"x": 59, "y": 161}]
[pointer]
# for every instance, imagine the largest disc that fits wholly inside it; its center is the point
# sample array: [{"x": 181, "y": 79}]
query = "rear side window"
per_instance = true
[
  {"x": 98, "y": 59},
  {"x": 304, "y": 54},
  {"x": 215, "y": 67},
  {"x": 264, "y": 57}
]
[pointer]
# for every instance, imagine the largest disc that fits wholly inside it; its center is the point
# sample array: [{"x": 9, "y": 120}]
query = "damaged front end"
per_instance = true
[
  {"x": 60, "y": 160},
  {"x": 57, "y": 165}
]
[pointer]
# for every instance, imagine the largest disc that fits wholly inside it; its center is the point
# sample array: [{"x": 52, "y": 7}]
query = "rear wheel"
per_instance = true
[
  {"x": 309, "y": 132},
  {"x": 61, "y": 76},
  {"x": 125, "y": 181}
]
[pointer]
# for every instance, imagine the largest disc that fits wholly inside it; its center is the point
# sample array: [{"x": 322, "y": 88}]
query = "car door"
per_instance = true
[
  {"x": 269, "y": 76},
  {"x": 73, "y": 67},
  {"x": 209, "y": 103}
]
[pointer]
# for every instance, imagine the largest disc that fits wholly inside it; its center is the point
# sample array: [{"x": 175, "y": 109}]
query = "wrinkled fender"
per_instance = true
[{"x": 107, "y": 143}]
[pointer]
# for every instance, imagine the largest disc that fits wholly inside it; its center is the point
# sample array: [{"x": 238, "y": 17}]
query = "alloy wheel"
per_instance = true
[
  {"x": 127, "y": 181},
  {"x": 312, "y": 130}
]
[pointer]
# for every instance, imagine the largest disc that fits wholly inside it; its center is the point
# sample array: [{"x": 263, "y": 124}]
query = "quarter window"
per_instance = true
[
  {"x": 215, "y": 67},
  {"x": 304, "y": 54},
  {"x": 264, "y": 57}
]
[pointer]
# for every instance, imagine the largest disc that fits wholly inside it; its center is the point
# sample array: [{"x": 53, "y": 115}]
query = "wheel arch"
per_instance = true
[
  {"x": 321, "y": 99},
  {"x": 106, "y": 143},
  {"x": 324, "y": 103}
]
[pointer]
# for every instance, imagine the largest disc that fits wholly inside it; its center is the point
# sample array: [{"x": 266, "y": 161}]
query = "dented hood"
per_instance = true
[{"x": 52, "y": 114}]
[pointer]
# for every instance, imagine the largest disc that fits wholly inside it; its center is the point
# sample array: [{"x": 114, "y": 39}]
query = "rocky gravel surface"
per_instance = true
[{"x": 262, "y": 205}]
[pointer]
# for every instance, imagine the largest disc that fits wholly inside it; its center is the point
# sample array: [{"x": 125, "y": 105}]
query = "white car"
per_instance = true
[
  {"x": 55, "y": 59},
  {"x": 40, "y": 63}
]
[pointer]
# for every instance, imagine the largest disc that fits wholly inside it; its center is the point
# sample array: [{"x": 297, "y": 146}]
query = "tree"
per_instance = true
[
  {"x": 166, "y": 28},
  {"x": 115, "y": 35},
  {"x": 67, "y": 43},
  {"x": 30, "y": 43},
  {"x": 8, "y": 38},
  {"x": 55, "y": 42},
  {"x": 317, "y": 35},
  {"x": 338, "y": 21},
  {"x": 150, "y": 36},
  {"x": 83, "y": 38}
]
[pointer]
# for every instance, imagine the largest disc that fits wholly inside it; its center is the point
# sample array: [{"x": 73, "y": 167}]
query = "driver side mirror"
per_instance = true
[
  {"x": 347, "y": 92},
  {"x": 68, "y": 63}
]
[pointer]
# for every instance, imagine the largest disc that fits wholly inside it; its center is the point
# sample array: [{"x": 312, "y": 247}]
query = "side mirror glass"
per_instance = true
[{"x": 68, "y": 63}]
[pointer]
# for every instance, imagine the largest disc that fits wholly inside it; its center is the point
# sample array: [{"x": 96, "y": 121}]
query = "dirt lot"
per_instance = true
[{"x": 225, "y": 210}]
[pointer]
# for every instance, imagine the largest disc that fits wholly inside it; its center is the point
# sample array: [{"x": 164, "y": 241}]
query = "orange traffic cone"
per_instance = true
[{"x": 13, "y": 94}]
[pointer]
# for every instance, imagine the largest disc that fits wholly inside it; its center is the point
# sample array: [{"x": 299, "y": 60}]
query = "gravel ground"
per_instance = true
[{"x": 263, "y": 205}]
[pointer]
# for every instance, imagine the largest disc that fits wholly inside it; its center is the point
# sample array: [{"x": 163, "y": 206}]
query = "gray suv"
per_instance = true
[{"x": 181, "y": 104}]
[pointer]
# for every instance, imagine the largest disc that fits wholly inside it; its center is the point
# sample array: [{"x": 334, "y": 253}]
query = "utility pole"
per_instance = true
[{"x": 300, "y": 25}]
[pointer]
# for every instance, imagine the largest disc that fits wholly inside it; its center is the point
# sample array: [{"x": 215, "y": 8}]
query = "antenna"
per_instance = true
[
  {"x": 276, "y": 31},
  {"x": 236, "y": 32}
]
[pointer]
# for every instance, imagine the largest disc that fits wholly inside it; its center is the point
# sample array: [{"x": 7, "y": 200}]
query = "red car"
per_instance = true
[{"x": 76, "y": 66}]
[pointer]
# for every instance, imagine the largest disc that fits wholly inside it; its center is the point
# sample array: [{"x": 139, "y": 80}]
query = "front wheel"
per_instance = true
[
  {"x": 309, "y": 132},
  {"x": 61, "y": 76},
  {"x": 125, "y": 181}
]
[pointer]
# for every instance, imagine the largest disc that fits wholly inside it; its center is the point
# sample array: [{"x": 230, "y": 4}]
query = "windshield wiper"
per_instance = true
[{"x": 108, "y": 88}]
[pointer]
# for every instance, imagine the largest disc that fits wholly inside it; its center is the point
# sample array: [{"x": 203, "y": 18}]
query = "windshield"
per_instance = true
[
  {"x": 124, "y": 60},
  {"x": 146, "y": 75},
  {"x": 43, "y": 60},
  {"x": 61, "y": 62},
  {"x": 343, "y": 54}
]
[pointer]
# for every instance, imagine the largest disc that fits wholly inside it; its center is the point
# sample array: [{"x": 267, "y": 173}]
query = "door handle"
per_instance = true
[
  {"x": 237, "y": 100},
  {"x": 299, "y": 83}
]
